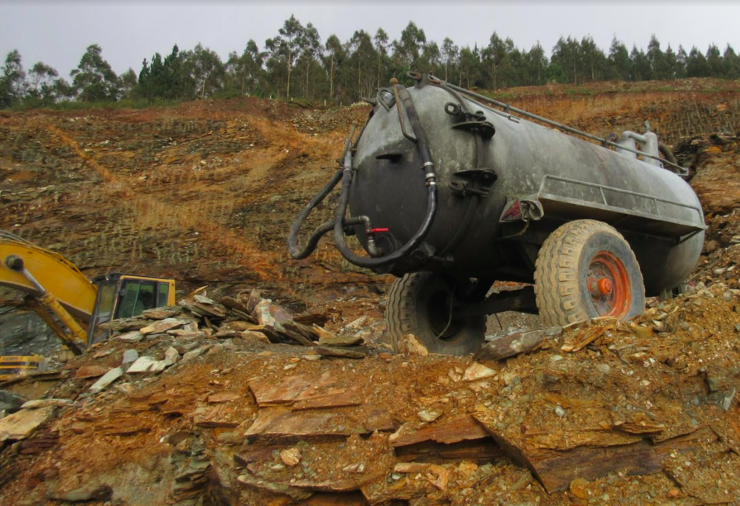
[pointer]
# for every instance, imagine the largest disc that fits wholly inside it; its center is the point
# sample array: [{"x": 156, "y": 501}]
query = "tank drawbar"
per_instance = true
[{"x": 340, "y": 222}]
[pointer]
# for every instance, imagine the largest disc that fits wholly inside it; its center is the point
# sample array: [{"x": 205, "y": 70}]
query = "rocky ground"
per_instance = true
[{"x": 221, "y": 400}]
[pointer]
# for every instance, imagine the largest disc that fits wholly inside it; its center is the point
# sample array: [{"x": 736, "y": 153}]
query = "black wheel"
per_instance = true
[
  {"x": 586, "y": 269},
  {"x": 420, "y": 304}
]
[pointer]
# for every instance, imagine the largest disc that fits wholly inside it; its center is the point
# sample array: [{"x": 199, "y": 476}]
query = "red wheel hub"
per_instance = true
[{"x": 609, "y": 285}]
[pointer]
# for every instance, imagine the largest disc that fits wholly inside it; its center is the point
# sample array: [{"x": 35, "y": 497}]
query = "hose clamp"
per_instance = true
[{"x": 427, "y": 164}]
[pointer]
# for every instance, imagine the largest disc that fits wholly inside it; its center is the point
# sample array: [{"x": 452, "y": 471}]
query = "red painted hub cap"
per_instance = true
[{"x": 609, "y": 285}]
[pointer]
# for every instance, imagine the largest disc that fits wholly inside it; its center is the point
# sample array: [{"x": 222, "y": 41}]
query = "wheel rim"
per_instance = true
[
  {"x": 608, "y": 284},
  {"x": 438, "y": 313}
]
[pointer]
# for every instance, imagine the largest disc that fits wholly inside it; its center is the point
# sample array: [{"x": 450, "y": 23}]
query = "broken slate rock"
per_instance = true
[
  {"x": 193, "y": 354},
  {"x": 290, "y": 457},
  {"x": 271, "y": 314},
  {"x": 339, "y": 352},
  {"x": 427, "y": 415},
  {"x": 256, "y": 337},
  {"x": 478, "y": 371},
  {"x": 411, "y": 345},
  {"x": 171, "y": 356},
  {"x": 20, "y": 425},
  {"x": 129, "y": 356},
  {"x": 46, "y": 403},
  {"x": 131, "y": 337},
  {"x": 327, "y": 338},
  {"x": 145, "y": 364},
  {"x": 107, "y": 379},
  {"x": 90, "y": 371},
  {"x": 93, "y": 492},
  {"x": 163, "y": 326},
  {"x": 160, "y": 313}
]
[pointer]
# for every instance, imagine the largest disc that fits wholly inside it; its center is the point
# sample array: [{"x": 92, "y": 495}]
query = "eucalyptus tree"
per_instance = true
[
  {"x": 381, "y": 48},
  {"x": 94, "y": 79},
  {"x": 450, "y": 52},
  {"x": 284, "y": 48}
]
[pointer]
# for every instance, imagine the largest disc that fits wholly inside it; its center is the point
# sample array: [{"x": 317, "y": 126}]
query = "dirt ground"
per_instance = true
[{"x": 205, "y": 192}]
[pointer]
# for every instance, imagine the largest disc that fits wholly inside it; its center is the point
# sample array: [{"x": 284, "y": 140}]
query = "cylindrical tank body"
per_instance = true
[{"x": 571, "y": 178}]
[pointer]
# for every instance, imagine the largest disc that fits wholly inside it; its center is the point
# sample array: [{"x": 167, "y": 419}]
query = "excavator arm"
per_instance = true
[{"x": 54, "y": 286}]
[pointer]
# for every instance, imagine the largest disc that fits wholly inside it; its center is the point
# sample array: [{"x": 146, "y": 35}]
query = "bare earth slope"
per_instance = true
[{"x": 606, "y": 413}]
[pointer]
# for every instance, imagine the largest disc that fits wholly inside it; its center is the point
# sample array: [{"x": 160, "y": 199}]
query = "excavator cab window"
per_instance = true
[
  {"x": 163, "y": 294},
  {"x": 103, "y": 311},
  {"x": 136, "y": 296}
]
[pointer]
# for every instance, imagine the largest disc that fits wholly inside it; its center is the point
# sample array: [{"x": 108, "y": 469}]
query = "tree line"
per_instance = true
[{"x": 297, "y": 64}]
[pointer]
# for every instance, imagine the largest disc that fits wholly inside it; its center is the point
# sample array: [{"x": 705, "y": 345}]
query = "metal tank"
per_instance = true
[{"x": 446, "y": 181}]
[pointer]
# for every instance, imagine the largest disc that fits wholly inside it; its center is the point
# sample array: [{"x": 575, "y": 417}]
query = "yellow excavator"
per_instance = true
[{"x": 56, "y": 288}]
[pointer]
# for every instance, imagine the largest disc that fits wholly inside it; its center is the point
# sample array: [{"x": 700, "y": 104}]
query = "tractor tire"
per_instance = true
[
  {"x": 586, "y": 269},
  {"x": 419, "y": 304}
]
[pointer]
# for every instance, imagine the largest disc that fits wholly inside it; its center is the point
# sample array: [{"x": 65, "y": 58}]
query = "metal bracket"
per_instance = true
[
  {"x": 461, "y": 188},
  {"x": 483, "y": 177},
  {"x": 483, "y": 128}
]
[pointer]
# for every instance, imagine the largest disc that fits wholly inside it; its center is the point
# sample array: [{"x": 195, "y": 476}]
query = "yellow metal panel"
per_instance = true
[{"x": 56, "y": 274}]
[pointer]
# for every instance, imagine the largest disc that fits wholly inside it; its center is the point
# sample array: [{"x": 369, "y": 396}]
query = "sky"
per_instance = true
[{"x": 57, "y": 32}]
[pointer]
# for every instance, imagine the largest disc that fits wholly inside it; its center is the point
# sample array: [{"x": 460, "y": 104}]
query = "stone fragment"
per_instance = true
[
  {"x": 411, "y": 345},
  {"x": 45, "y": 403},
  {"x": 193, "y": 354},
  {"x": 90, "y": 371},
  {"x": 410, "y": 467},
  {"x": 271, "y": 314},
  {"x": 357, "y": 468},
  {"x": 146, "y": 364},
  {"x": 160, "y": 313},
  {"x": 291, "y": 456},
  {"x": 92, "y": 492},
  {"x": 129, "y": 356},
  {"x": 163, "y": 326},
  {"x": 255, "y": 337},
  {"x": 107, "y": 379},
  {"x": 339, "y": 352},
  {"x": 131, "y": 337},
  {"x": 355, "y": 325},
  {"x": 20, "y": 425},
  {"x": 327, "y": 338},
  {"x": 578, "y": 487},
  {"x": 427, "y": 415},
  {"x": 222, "y": 397},
  {"x": 478, "y": 371},
  {"x": 438, "y": 476},
  {"x": 158, "y": 366},
  {"x": 171, "y": 356}
]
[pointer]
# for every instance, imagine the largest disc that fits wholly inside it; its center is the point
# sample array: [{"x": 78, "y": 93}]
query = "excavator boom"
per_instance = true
[
  {"x": 57, "y": 290},
  {"x": 56, "y": 274}
]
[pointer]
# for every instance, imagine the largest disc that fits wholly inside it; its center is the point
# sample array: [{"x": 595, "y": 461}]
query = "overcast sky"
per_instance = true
[{"x": 58, "y": 32}]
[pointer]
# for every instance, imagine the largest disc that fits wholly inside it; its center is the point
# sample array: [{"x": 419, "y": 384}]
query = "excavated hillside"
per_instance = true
[{"x": 229, "y": 398}]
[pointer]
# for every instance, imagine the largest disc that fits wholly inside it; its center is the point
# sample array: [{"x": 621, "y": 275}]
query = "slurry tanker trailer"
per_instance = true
[{"x": 451, "y": 191}]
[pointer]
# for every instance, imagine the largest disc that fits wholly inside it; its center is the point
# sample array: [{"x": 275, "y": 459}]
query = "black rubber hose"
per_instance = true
[
  {"x": 396, "y": 255},
  {"x": 293, "y": 248},
  {"x": 430, "y": 177}
]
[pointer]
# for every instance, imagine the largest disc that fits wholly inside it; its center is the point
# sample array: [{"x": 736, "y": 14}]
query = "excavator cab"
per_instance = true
[
  {"x": 67, "y": 300},
  {"x": 126, "y": 296}
]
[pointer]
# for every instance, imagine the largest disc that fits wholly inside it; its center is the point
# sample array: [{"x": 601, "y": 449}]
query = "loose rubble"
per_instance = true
[{"x": 604, "y": 408}]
